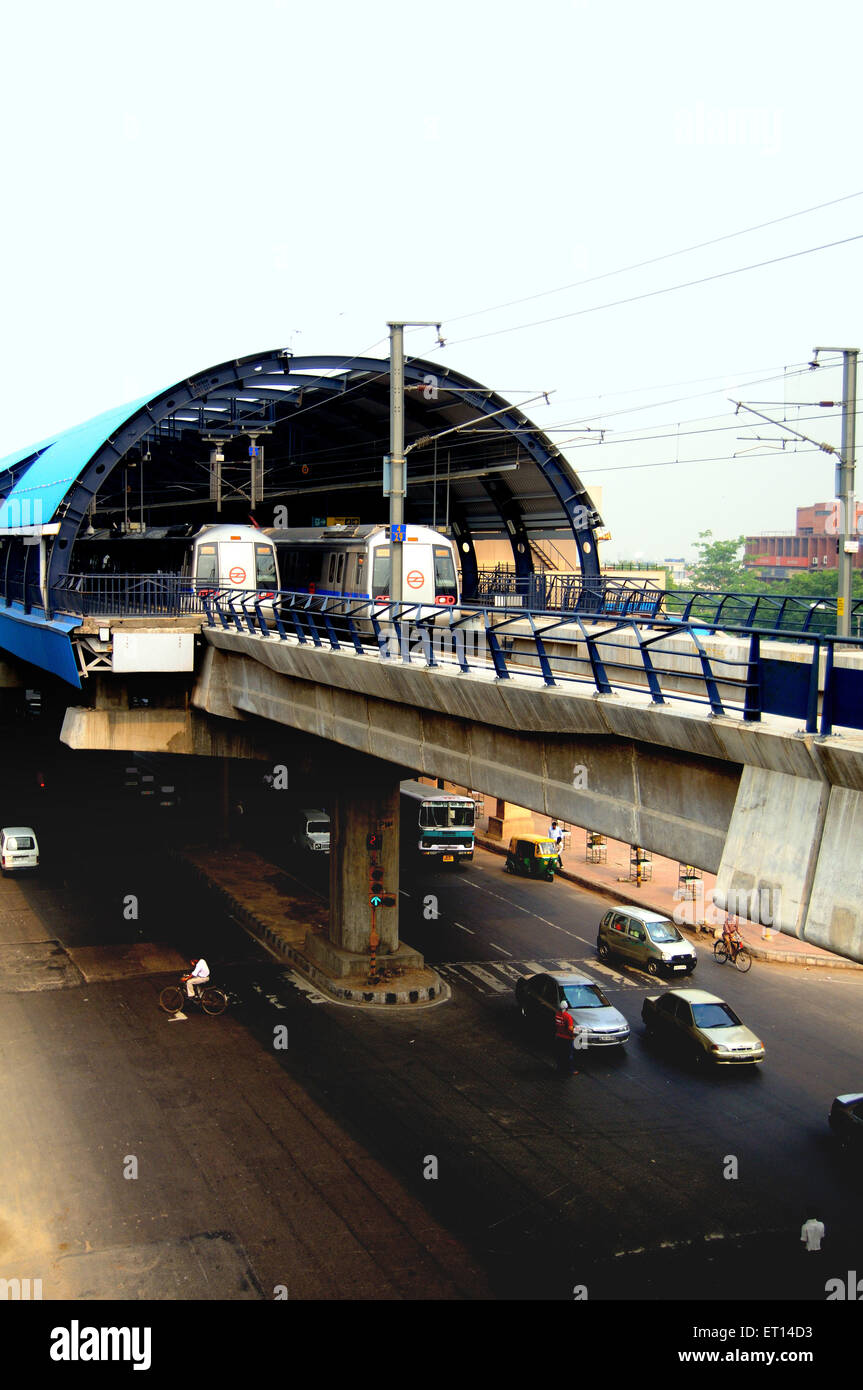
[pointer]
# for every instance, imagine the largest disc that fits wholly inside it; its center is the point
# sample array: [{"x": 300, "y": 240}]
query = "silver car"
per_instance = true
[{"x": 597, "y": 1023}]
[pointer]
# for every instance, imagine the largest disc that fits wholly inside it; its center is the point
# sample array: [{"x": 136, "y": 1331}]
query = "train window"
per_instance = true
[
  {"x": 381, "y": 571},
  {"x": 332, "y": 568},
  {"x": 444, "y": 572},
  {"x": 265, "y": 566},
  {"x": 207, "y": 563},
  {"x": 340, "y": 569}
]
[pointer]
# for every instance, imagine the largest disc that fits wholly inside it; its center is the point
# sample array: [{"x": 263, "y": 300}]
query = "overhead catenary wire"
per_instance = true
[
  {"x": 653, "y": 294},
  {"x": 652, "y": 260}
]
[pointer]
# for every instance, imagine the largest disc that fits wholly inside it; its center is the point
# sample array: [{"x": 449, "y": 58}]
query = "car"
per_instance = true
[
  {"x": 702, "y": 1025},
  {"x": 846, "y": 1118},
  {"x": 19, "y": 848},
  {"x": 597, "y": 1023},
  {"x": 313, "y": 830},
  {"x": 645, "y": 939}
]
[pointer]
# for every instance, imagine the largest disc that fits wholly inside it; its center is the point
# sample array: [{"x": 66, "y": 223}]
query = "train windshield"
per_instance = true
[
  {"x": 444, "y": 573},
  {"x": 208, "y": 568},
  {"x": 265, "y": 566},
  {"x": 381, "y": 573}
]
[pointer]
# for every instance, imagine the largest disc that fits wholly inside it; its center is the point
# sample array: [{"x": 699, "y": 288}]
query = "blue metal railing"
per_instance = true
[
  {"x": 606, "y": 654},
  {"x": 617, "y": 639},
  {"x": 570, "y": 593}
]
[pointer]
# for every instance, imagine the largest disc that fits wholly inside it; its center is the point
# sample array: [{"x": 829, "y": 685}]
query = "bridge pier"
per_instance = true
[{"x": 363, "y": 800}]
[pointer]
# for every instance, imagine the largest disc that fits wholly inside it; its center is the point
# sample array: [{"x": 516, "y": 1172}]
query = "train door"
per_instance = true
[{"x": 237, "y": 564}]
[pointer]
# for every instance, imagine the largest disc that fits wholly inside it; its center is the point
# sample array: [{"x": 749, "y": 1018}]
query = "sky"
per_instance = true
[{"x": 188, "y": 181}]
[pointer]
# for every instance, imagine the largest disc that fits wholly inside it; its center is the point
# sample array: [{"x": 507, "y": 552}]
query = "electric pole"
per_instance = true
[
  {"x": 394, "y": 478},
  {"x": 848, "y": 538}
]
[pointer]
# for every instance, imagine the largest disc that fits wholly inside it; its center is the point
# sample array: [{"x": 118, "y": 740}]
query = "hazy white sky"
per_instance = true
[{"x": 189, "y": 180}]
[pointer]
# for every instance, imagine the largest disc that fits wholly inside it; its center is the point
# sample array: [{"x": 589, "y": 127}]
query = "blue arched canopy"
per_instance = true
[{"x": 321, "y": 426}]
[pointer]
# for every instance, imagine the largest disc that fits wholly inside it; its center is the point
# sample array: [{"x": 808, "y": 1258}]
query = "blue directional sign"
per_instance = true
[{"x": 398, "y": 533}]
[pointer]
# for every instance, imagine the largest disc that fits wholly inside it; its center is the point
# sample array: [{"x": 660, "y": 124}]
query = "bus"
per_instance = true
[{"x": 436, "y": 824}]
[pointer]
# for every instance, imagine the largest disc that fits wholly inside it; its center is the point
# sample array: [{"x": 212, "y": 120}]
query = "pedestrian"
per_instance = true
[
  {"x": 564, "y": 1039},
  {"x": 556, "y": 834}
]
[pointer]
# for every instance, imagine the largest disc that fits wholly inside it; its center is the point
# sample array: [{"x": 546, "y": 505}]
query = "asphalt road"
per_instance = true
[{"x": 434, "y": 1154}]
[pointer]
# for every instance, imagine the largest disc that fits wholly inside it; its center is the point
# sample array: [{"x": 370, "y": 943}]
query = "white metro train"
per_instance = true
[
  {"x": 355, "y": 562},
  {"x": 351, "y": 562}
]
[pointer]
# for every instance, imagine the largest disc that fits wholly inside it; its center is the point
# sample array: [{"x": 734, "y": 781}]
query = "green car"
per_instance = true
[{"x": 705, "y": 1027}]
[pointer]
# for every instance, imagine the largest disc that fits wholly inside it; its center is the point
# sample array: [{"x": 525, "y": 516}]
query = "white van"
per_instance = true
[
  {"x": 19, "y": 848},
  {"x": 313, "y": 831}
]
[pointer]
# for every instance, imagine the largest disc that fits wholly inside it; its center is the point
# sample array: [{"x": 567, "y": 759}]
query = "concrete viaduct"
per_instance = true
[{"x": 775, "y": 812}]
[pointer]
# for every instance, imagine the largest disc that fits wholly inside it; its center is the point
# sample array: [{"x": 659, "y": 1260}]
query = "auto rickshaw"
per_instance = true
[{"x": 532, "y": 856}]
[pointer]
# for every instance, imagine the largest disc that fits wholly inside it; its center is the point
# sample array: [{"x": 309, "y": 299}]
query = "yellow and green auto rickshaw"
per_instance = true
[{"x": 533, "y": 856}]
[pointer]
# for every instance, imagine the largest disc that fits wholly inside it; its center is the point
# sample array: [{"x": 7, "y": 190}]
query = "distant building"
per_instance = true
[
  {"x": 678, "y": 569},
  {"x": 812, "y": 546}
]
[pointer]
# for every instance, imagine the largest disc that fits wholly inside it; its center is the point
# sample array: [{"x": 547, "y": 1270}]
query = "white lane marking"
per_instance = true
[
  {"x": 499, "y": 948},
  {"x": 304, "y": 987},
  {"x": 606, "y": 970},
  {"x": 513, "y": 971},
  {"x": 403, "y": 893},
  {"x": 535, "y": 968},
  {"x": 526, "y": 910},
  {"x": 178, "y": 1018},
  {"x": 499, "y": 986},
  {"x": 461, "y": 928}
]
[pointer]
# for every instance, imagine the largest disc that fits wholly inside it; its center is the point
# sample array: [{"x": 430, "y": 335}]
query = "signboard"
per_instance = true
[
  {"x": 398, "y": 533},
  {"x": 153, "y": 651},
  {"x": 343, "y": 521}
]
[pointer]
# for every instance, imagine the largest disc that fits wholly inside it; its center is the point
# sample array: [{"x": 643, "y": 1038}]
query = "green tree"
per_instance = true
[{"x": 718, "y": 566}]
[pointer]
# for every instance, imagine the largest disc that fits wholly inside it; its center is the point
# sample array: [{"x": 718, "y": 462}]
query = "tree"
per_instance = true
[{"x": 717, "y": 566}]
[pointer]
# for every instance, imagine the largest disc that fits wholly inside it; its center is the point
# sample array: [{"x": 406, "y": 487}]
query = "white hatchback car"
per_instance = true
[{"x": 19, "y": 848}]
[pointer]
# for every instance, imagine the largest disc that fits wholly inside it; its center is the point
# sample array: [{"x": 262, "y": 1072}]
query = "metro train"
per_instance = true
[
  {"x": 221, "y": 556},
  {"x": 352, "y": 562}
]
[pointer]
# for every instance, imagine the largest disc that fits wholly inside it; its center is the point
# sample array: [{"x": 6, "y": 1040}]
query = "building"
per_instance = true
[{"x": 812, "y": 546}]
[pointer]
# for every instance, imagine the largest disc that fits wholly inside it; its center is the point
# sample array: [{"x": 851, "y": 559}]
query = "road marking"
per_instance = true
[
  {"x": 515, "y": 971},
  {"x": 499, "y": 948},
  {"x": 499, "y": 986},
  {"x": 606, "y": 970},
  {"x": 487, "y": 977},
  {"x": 178, "y": 1018},
  {"x": 461, "y": 928},
  {"x": 304, "y": 987},
  {"x": 526, "y": 910}
]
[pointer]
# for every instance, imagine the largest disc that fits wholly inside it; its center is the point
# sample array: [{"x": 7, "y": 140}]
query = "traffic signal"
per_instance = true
[
  {"x": 376, "y": 885},
  {"x": 374, "y": 842}
]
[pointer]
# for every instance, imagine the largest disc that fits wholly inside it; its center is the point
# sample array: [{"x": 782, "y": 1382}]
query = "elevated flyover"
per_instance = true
[{"x": 741, "y": 755}]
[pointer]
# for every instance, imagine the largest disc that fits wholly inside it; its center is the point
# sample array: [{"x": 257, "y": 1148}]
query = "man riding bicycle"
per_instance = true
[
  {"x": 731, "y": 936},
  {"x": 198, "y": 977}
]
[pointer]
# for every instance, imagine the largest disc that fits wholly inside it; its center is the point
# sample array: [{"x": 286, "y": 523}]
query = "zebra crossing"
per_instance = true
[{"x": 490, "y": 977}]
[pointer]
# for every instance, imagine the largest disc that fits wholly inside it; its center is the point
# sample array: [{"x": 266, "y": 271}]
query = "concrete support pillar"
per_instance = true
[{"x": 356, "y": 810}]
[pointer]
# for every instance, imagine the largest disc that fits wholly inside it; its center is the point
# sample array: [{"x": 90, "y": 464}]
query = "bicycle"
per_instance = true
[
  {"x": 213, "y": 1001},
  {"x": 732, "y": 948}
]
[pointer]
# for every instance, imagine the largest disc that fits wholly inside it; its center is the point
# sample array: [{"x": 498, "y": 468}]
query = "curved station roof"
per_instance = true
[{"x": 318, "y": 428}]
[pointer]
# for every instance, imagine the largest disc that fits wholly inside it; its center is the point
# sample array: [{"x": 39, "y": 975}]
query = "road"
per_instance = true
[{"x": 425, "y": 1155}]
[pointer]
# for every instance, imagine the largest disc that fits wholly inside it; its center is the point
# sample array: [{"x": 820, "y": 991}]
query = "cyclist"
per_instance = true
[
  {"x": 199, "y": 976},
  {"x": 731, "y": 936}
]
